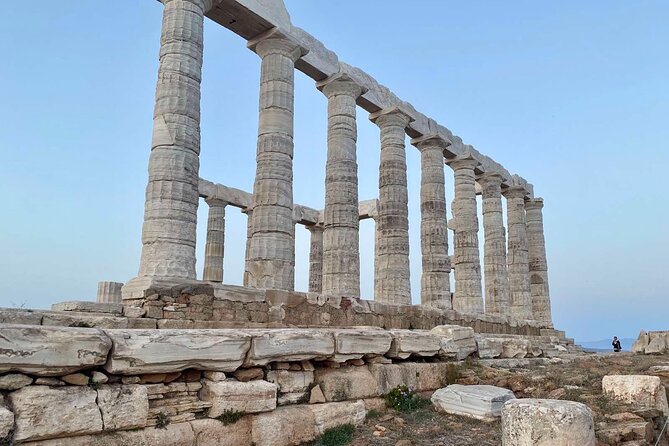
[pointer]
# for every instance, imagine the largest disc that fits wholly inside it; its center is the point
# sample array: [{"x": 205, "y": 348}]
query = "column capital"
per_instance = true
[
  {"x": 318, "y": 227},
  {"x": 514, "y": 192},
  {"x": 429, "y": 141},
  {"x": 216, "y": 202},
  {"x": 394, "y": 115},
  {"x": 340, "y": 84},
  {"x": 465, "y": 161},
  {"x": 486, "y": 178},
  {"x": 205, "y": 5},
  {"x": 534, "y": 203},
  {"x": 275, "y": 42}
]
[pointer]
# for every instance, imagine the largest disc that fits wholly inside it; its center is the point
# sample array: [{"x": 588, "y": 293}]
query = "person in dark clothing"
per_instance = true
[{"x": 616, "y": 344}]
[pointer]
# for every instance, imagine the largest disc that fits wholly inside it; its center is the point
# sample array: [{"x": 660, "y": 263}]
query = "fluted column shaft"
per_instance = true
[
  {"x": 341, "y": 253},
  {"x": 538, "y": 266},
  {"x": 247, "y": 251},
  {"x": 393, "y": 284},
  {"x": 468, "y": 296},
  {"x": 214, "y": 248},
  {"x": 517, "y": 255},
  {"x": 109, "y": 292},
  {"x": 494, "y": 247},
  {"x": 316, "y": 259},
  {"x": 170, "y": 210},
  {"x": 271, "y": 261},
  {"x": 435, "y": 285}
]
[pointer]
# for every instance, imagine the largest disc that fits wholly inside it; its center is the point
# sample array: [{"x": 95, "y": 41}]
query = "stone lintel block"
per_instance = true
[
  {"x": 249, "y": 397},
  {"x": 286, "y": 345},
  {"x": 51, "y": 351},
  {"x": 88, "y": 307},
  {"x": 358, "y": 342},
  {"x": 413, "y": 342},
  {"x": 20, "y": 316},
  {"x": 455, "y": 341},
  {"x": 165, "y": 351},
  {"x": 481, "y": 402}
]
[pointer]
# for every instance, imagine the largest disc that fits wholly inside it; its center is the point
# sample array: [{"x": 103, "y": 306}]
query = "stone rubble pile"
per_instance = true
[{"x": 63, "y": 384}]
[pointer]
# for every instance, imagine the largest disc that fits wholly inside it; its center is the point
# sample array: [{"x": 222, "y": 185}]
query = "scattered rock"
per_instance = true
[
  {"x": 14, "y": 381},
  {"x": 316, "y": 395},
  {"x": 6, "y": 420},
  {"x": 49, "y": 382},
  {"x": 214, "y": 376},
  {"x": 245, "y": 375},
  {"x": 76, "y": 379},
  {"x": 99, "y": 377}
]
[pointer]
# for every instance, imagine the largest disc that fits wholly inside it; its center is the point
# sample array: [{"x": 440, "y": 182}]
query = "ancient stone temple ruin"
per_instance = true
[{"x": 161, "y": 358}]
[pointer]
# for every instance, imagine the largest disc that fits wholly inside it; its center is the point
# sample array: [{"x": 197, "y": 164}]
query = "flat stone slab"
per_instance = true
[
  {"x": 165, "y": 351},
  {"x": 88, "y": 307},
  {"x": 413, "y": 342},
  {"x": 287, "y": 345},
  {"x": 248, "y": 397},
  {"x": 358, "y": 342},
  {"x": 481, "y": 402},
  {"x": 51, "y": 351}
]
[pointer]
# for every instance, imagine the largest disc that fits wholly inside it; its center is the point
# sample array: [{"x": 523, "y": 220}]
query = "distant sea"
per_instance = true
[{"x": 604, "y": 345}]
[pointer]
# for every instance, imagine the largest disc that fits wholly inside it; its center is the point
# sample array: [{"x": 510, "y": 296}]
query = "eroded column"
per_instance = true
[
  {"x": 494, "y": 246},
  {"x": 393, "y": 283},
  {"x": 215, "y": 246},
  {"x": 109, "y": 292},
  {"x": 517, "y": 255},
  {"x": 341, "y": 253},
  {"x": 435, "y": 286},
  {"x": 468, "y": 296},
  {"x": 538, "y": 266},
  {"x": 316, "y": 258},
  {"x": 247, "y": 251},
  {"x": 271, "y": 262},
  {"x": 170, "y": 209}
]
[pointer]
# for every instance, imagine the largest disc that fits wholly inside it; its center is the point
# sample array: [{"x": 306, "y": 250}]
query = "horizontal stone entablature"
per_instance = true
[
  {"x": 301, "y": 214},
  {"x": 251, "y": 18}
]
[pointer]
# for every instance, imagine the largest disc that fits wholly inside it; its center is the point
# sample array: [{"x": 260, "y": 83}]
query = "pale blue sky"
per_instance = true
[{"x": 571, "y": 95}]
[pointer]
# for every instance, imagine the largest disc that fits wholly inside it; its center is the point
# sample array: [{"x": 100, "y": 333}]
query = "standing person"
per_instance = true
[{"x": 616, "y": 344}]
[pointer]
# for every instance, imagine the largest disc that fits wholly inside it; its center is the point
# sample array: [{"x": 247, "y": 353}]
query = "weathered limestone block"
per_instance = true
[
  {"x": 331, "y": 415},
  {"x": 533, "y": 422},
  {"x": 76, "y": 319},
  {"x": 290, "y": 345},
  {"x": 89, "y": 307},
  {"x": 489, "y": 348},
  {"x": 515, "y": 348},
  {"x": 51, "y": 351},
  {"x": 412, "y": 342},
  {"x": 174, "y": 434},
  {"x": 288, "y": 425},
  {"x": 14, "y": 381},
  {"x": 641, "y": 390},
  {"x": 43, "y": 412},
  {"x": 164, "y": 351},
  {"x": 657, "y": 343},
  {"x": 6, "y": 420},
  {"x": 455, "y": 341},
  {"x": 209, "y": 432},
  {"x": 641, "y": 343},
  {"x": 627, "y": 432},
  {"x": 346, "y": 383},
  {"x": 418, "y": 376},
  {"x": 123, "y": 406},
  {"x": 109, "y": 292},
  {"x": 249, "y": 397},
  {"x": 480, "y": 401},
  {"x": 16, "y": 316},
  {"x": 291, "y": 381},
  {"x": 355, "y": 343}
]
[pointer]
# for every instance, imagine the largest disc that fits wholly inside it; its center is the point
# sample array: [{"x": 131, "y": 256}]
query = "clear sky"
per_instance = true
[{"x": 571, "y": 95}]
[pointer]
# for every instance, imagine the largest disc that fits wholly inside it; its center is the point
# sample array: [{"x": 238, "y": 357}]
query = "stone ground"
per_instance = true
[{"x": 580, "y": 380}]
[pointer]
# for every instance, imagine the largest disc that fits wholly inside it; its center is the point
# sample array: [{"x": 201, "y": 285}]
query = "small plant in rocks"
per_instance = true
[
  {"x": 336, "y": 436},
  {"x": 403, "y": 399},
  {"x": 162, "y": 420},
  {"x": 230, "y": 417}
]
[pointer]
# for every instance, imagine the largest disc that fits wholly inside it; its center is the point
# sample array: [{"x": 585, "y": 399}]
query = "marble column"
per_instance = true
[
  {"x": 494, "y": 246},
  {"x": 468, "y": 296},
  {"x": 341, "y": 253},
  {"x": 392, "y": 285},
  {"x": 536, "y": 244},
  {"x": 517, "y": 256},
  {"x": 435, "y": 285},
  {"x": 316, "y": 259},
  {"x": 247, "y": 252},
  {"x": 109, "y": 293},
  {"x": 170, "y": 209},
  {"x": 271, "y": 262},
  {"x": 215, "y": 245}
]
